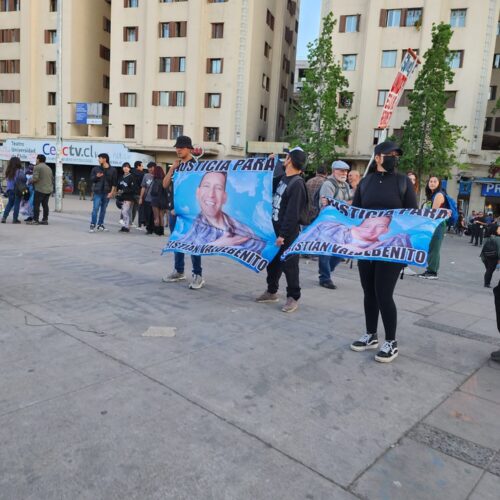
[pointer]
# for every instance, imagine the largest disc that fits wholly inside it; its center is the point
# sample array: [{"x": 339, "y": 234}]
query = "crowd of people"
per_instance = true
[{"x": 146, "y": 195}]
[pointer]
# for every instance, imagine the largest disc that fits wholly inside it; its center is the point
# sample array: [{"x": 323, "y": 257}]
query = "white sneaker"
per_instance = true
[
  {"x": 173, "y": 277},
  {"x": 409, "y": 272},
  {"x": 121, "y": 222},
  {"x": 133, "y": 225},
  {"x": 196, "y": 282}
]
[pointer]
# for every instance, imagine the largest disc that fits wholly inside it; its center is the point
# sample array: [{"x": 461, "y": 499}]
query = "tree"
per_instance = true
[
  {"x": 429, "y": 141},
  {"x": 315, "y": 122}
]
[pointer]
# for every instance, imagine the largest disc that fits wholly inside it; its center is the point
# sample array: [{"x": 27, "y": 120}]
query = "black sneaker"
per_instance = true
[
  {"x": 124, "y": 230},
  {"x": 44, "y": 223},
  {"x": 388, "y": 352},
  {"x": 428, "y": 275},
  {"x": 328, "y": 284},
  {"x": 17, "y": 221},
  {"x": 92, "y": 228},
  {"x": 367, "y": 341},
  {"x": 101, "y": 227},
  {"x": 495, "y": 356},
  {"x": 3, "y": 221}
]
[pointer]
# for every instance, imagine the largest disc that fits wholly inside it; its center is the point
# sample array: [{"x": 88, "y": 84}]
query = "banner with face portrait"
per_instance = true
[
  {"x": 402, "y": 236},
  {"x": 224, "y": 207}
]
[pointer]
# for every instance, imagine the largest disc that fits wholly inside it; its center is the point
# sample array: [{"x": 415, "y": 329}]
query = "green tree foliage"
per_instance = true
[
  {"x": 316, "y": 123},
  {"x": 429, "y": 141}
]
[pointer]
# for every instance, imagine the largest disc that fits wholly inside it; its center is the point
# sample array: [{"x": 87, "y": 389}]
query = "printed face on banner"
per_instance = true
[
  {"x": 401, "y": 236},
  {"x": 224, "y": 208}
]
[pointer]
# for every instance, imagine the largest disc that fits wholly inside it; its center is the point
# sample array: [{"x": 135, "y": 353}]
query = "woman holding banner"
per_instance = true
[{"x": 382, "y": 188}]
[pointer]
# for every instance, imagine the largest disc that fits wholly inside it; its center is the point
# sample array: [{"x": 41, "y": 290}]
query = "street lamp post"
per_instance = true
[{"x": 59, "y": 121}]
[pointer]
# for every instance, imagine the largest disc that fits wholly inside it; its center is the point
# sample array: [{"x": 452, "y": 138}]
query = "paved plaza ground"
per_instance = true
[{"x": 114, "y": 385}]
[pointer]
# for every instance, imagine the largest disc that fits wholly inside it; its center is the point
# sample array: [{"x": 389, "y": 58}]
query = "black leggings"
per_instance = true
[
  {"x": 378, "y": 280},
  {"x": 490, "y": 264}
]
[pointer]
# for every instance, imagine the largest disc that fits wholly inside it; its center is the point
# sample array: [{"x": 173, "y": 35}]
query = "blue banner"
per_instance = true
[
  {"x": 491, "y": 189},
  {"x": 81, "y": 113},
  {"x": 224, "y": 208},
  {"x": 401, "y": 236}
]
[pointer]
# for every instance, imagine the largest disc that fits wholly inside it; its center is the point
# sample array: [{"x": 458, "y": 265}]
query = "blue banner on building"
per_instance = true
[
  {"x": 224, "y": 208},
  {"x": 81, "y": 113},
  {"x": 491, "y": 189},
  {"x": 401, "y": 236}
]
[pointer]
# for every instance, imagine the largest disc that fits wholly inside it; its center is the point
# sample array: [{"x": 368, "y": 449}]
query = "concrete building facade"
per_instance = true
[{"x": 370, "y": 40}]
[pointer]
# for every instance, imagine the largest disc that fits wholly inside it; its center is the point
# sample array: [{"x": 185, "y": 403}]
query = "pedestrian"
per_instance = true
[
  {"x": 159, "y": 201},
  {"x": 335, "y": 187},
  {"x": 289, "y": 201},
  {"x": 495, "y": 355},
  {"x": 312, "y": 186},
  {"x": 27, "y": 205},
  {"x": 125, "y": 194},
  {"x": 183, "y": 148},
  {"x": 382, "y": 188},
  {"x": 478, "y": 226},
  {"x": 43, "y": 181},
  {"x": 490, "y": 254},
  {"x": 16, "y": 183},
  {"x": 414, "y": 180},
  {"x": 82, "y": 188},
  {"x": 353, "y": 178},
  {"x": 435, "y": 199},
  {"x": 138, "y": 172},
  {"x": 104, "y": 179},
  {"x": 145, "y": 198}
]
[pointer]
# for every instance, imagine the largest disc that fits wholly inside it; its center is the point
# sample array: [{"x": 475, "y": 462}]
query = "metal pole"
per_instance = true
[{"x": 59, "y": 121}]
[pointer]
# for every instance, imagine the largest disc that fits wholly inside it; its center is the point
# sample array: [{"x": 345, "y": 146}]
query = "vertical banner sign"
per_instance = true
[
  {"x": 81, "y": 113},
  {"x": 224, "y": 207},
  {"x": 410, "y": 62}
]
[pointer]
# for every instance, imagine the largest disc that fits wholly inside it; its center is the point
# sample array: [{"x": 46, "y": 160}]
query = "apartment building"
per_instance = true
[
  {"x": 220, "y": 71},
  {"x": 370, "y": 40}
]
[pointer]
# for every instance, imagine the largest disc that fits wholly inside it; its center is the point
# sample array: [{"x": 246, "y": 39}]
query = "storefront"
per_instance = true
[{"x": 490, "y": 190}]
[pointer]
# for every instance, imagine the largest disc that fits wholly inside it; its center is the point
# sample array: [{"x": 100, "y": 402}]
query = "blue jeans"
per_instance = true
[
  {"x": 327, "y": 264},
  {"x": 14, "y": 201},
  {"x": 100, "y": 203},
  {"x": 178, "y": 256}
]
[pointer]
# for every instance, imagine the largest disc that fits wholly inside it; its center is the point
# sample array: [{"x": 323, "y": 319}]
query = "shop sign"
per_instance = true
[{"x": 491, "y": 189}]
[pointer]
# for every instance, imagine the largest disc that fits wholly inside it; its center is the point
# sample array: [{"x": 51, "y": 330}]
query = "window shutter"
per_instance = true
[
  {"x": 172, "y": 98},
  {"x": 124, "y": 34},
  {"x": 342, "y": 24},
  {"x": 209, "y": 66},
  {"x": 383, "y": 18},
  {"x": 124, "y": 67},
  {"x": 404, "y": 15},
  {"x": 156, "y": 97},
  {"x": 46, "y": 36},
  {"x": 122, "y": 99},
  {"x": 183, "y": 28},
  {"x": 207, "y": 100},
  {"x": 171, "y": 29},
  {"x": 17, "y": 96},
  {"x": 175, "y": 64},
  {"x": 47, "y": 67},
  {"x": 358, "y": 22},
  {"x": 461, "y": 58},
  {"x": 137, "y": 33},
  {"x": 125, "y": 2},
  {"x": 12, "y": 5},
  {"x": 222, "y": 65}
]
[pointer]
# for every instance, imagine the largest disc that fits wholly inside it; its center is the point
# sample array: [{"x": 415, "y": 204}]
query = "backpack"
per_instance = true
[
  {"x": 304, "y": 216},
  {"x": 451, "y": 204},
  {"x": 21, "y": 189},
  {"x": 156, "y": 188},
  {"x": 316, "y": 197},
  {"x": 489, "y": 248}
]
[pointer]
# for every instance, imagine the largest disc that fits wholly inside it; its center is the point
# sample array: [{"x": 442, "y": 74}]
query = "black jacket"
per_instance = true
[
  {"x": 127, "y": 187},
  {"x": 105, "y": 183}
]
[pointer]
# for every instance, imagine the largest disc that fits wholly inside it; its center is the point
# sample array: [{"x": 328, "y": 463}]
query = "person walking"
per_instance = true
[
  {"x": 312, "y": 186},
  {"x": 159, "y": 201},
  {"x": 125, "y": 194},
  {"x": 289, "y": 201},
  {"x": 435, "y": 199},
  {"x": 337, "y": 188},
  {"x": 183, "y": 148},
  {"x": 382, "y": 188},
  {"x": 138, "y": 172},
  {"x": 82, "y": 188},
  {"x": 104, "y": 180},
  {"x": 43, "y": 182},
  {"x": 478, "y": 226},
  {"x": 490, "y": 254},
  {"x": 145, "y": 198},
  {"x": 16, "y": 179}
]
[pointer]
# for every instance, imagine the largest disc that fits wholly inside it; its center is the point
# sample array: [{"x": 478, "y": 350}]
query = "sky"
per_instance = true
[{"x": 310, "y": 12}]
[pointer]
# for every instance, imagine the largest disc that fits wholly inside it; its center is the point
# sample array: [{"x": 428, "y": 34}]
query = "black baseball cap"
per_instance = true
[
  {"x": 387, "y": 147},
  {"x": 298, "y": 157},
  {"x": 183, "y": 141}
]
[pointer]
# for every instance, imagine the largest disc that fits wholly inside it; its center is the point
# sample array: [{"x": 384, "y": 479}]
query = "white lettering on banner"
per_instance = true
[{"x": 73, "y": 152}]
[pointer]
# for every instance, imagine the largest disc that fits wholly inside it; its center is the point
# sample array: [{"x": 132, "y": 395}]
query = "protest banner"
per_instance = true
[
  {"x": 401, "y": 235},
  {"x": 224, "y": 207}
]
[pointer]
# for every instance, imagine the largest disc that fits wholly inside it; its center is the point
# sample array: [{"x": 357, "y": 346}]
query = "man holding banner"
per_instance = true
[{"x": 289, "y": 201}]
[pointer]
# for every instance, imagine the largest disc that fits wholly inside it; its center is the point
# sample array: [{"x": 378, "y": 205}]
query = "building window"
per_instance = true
[
  {"x": 10, "y": 35},
  {"x": 10, "y": 5},
  {"x": 50, "y": 67},
  {"x": 404, "y": 102},
  {"x": 349, "y": 62},
  {"x": 171, "y": 1},
  {"x": 130, "y": 34},
  {"x": 291, "y": 7},
  {"x": 281, "y": 122},
  {"x": 497, "y": 125},
  {"x": 496, "y": 61},
  {"x": 456, "y": 59},
  {"x": 128, "y": 99},
  {"x": 267, "y": 50},
  {"x": 488, "y": 124},
  {"x": 498, "y": 28},
  {"x": 131, "y": 3},
  {"x": 451, "y": 98},
  {"x": 180, "y": 98},
  {"x": 382, "y": 97},
  {"x": 457, "y": 18},
  {"x": 214, "y": 66},
  {"x": 174, "y": 29},
  {"x": 413, "y": 17},
  {"x": 51, "y": 128},
  {"x": 162, "y": 132},
  {"x": 393, "y": 18},
  {"x": 10, "y": 96},
  {"x": 270, "y": 19},
  {"x": 10, "y": 66},
  {"x": 169, "y": 98},
  {"x": 50, "y": 36},
  {"x": 211, "y": 134},
  {"x": 389, "y": 58},
  {"x": 345, "y": 100},
  {"x": 286, "y": 65},
  {"x": 493, "y": 93},
  {"x": 209, "y": 1},
  {"x": 176, "y": 131},
  {"x": 105, "y": 82},
  {"x": 52, "y": 5},
  {"x": 349, "y": 24},
  {"x": 212, "y": 100},
  {"x": 288, "y": 35},
  {"x": 129, "y": 67},
  {"x": 376, "y": 135},
  {"x": 266, "y": 82},
  {"x": 51, "y": 98},
  {"x": 104, "y": 53},
  {"x": 217, "y": 30},
  {"x": 172, "y": 64},
  {"x": 284, "y": 93},
  {"x": 106, "y": 25},
  {"x": 129, "y": 131}
]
